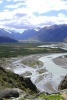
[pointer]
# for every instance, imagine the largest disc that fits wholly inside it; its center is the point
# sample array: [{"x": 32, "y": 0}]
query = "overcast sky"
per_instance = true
[{"x": 28, "y": 14}]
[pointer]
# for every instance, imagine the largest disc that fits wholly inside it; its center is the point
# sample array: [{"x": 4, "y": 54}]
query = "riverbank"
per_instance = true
[
  {"x": 46, "y": 77},
  {"x": 61, "y": 61},
  {"x": 56, "y": 72}
]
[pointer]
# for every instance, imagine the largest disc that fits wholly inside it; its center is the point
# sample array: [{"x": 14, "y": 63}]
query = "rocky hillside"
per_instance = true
[
  {"x": 63, "y": 84},
  {"x": 10, "y": 80},
  {"x": 12, "y": 85}
]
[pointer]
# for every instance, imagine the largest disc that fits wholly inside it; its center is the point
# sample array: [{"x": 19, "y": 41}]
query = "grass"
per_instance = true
[
  {"x": 51, "y": 97},
  {"x": 32, "y": 63},
  {"x": 23, "y": 49},
  {"x": 46, "y": 97},
  {"x": 10, "y": 80}
]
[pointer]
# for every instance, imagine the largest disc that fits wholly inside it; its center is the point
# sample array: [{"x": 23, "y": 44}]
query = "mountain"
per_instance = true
[
  {"x": 4, "y": 39},
  {"x": 65, "y": 40},
  {"x": 28, "y": 34},
  {"x": 10, "y": 33},
  {"x": 54, "y": 33},
  {"x": 4, "y": 32}
]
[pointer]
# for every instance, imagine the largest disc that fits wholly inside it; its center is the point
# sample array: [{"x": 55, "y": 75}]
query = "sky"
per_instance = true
[{"x": 20, "y": 15}]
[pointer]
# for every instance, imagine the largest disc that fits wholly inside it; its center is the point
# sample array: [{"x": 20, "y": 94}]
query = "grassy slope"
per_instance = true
[
  {"x": 52, "y": 97},
  {"x": 11, "y": 80},
  {"x": 46, "y": 97}
]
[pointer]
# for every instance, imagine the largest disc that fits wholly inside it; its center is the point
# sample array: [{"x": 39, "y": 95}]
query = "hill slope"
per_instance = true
[
  {"x": 10, "y": 80},
  {"x": 4, "y": 39},
  {"x": 55, "y": 33},
  {"x": 10, "y": 33},
  {"x": 28, "y": 34}
]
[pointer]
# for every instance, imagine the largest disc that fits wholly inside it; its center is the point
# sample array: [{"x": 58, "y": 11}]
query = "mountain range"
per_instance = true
[
  {"x": 4, "y": 39},
  {"x": 54, "y": 33}
]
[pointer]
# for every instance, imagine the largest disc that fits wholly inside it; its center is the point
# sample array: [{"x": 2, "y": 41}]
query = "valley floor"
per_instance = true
[
  {"x": 38, "y": 68},
  {"x": 31, "y": 66},
  {"x": 61, "y": 61},
  {"x": 46, "y": 67}
]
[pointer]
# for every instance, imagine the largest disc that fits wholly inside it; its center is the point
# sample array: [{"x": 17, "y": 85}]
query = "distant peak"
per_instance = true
[
  {"x": 7, "y": 31},
  {"x": 37, "y": 29}
]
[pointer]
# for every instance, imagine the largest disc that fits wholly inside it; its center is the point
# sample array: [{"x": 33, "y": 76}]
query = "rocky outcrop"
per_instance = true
[
  {"x": 29, "y": 84},
  {"x": 10, "y": 80},
  {"x": 63, "y": 84},
  {"x": 8, "y": 93}
]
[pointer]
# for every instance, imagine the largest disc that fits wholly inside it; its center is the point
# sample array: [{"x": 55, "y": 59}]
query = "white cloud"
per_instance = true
[
  {"x": 24, "y": 18},
  {"x": 62, "y": 19},
  {"x": 42, "y": 6},
  {"x": 48, "y": 20},
  {"x": 15, "y": 0},
  {"x": 19, "y": 0},
  {"x": 6, "y": 15},
  {"x": 1, "y": 1},
  {"x": 29, "y": 21},
  {"x": 14, "y": 5},
  {"x": 8, "y": 0}
]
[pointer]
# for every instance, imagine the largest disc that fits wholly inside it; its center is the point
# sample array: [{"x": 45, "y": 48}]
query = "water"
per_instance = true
[
  {"x": 47, "y": 81},
  {"x": 51, "y": 66}
]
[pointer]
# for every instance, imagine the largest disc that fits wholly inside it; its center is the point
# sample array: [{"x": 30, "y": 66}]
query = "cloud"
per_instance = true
[
  {"x": 19, "y": 25},
  {"x": 8, "y": 0},
  {"x": 15, "y": 0},
  {"x": 19, "y": 0},
  {"x": 22, "y": 15},
  {"x": 6, "y": 15},
  {"x": 23, "y": 21},
  {"x": 42, "y": 6},
  {"x": 17, "y": 5},
  {"x": 1, "y": 1}
]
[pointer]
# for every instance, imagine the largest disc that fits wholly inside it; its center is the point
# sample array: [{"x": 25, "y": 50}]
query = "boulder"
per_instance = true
[{"x": 8, "y": 93}]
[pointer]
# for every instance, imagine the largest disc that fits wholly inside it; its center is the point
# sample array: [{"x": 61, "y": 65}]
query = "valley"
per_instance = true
[
  {"x": 33, "y": 49},
  {"x": 37, "y": 63},
  {"x": 46, "y": 77},
  {"x": 51, "y": 33}
]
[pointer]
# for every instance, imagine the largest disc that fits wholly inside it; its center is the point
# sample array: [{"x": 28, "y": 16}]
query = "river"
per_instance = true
[
  {"x": 47, "y": 81},
  {"x": 51, "y": 66}
]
